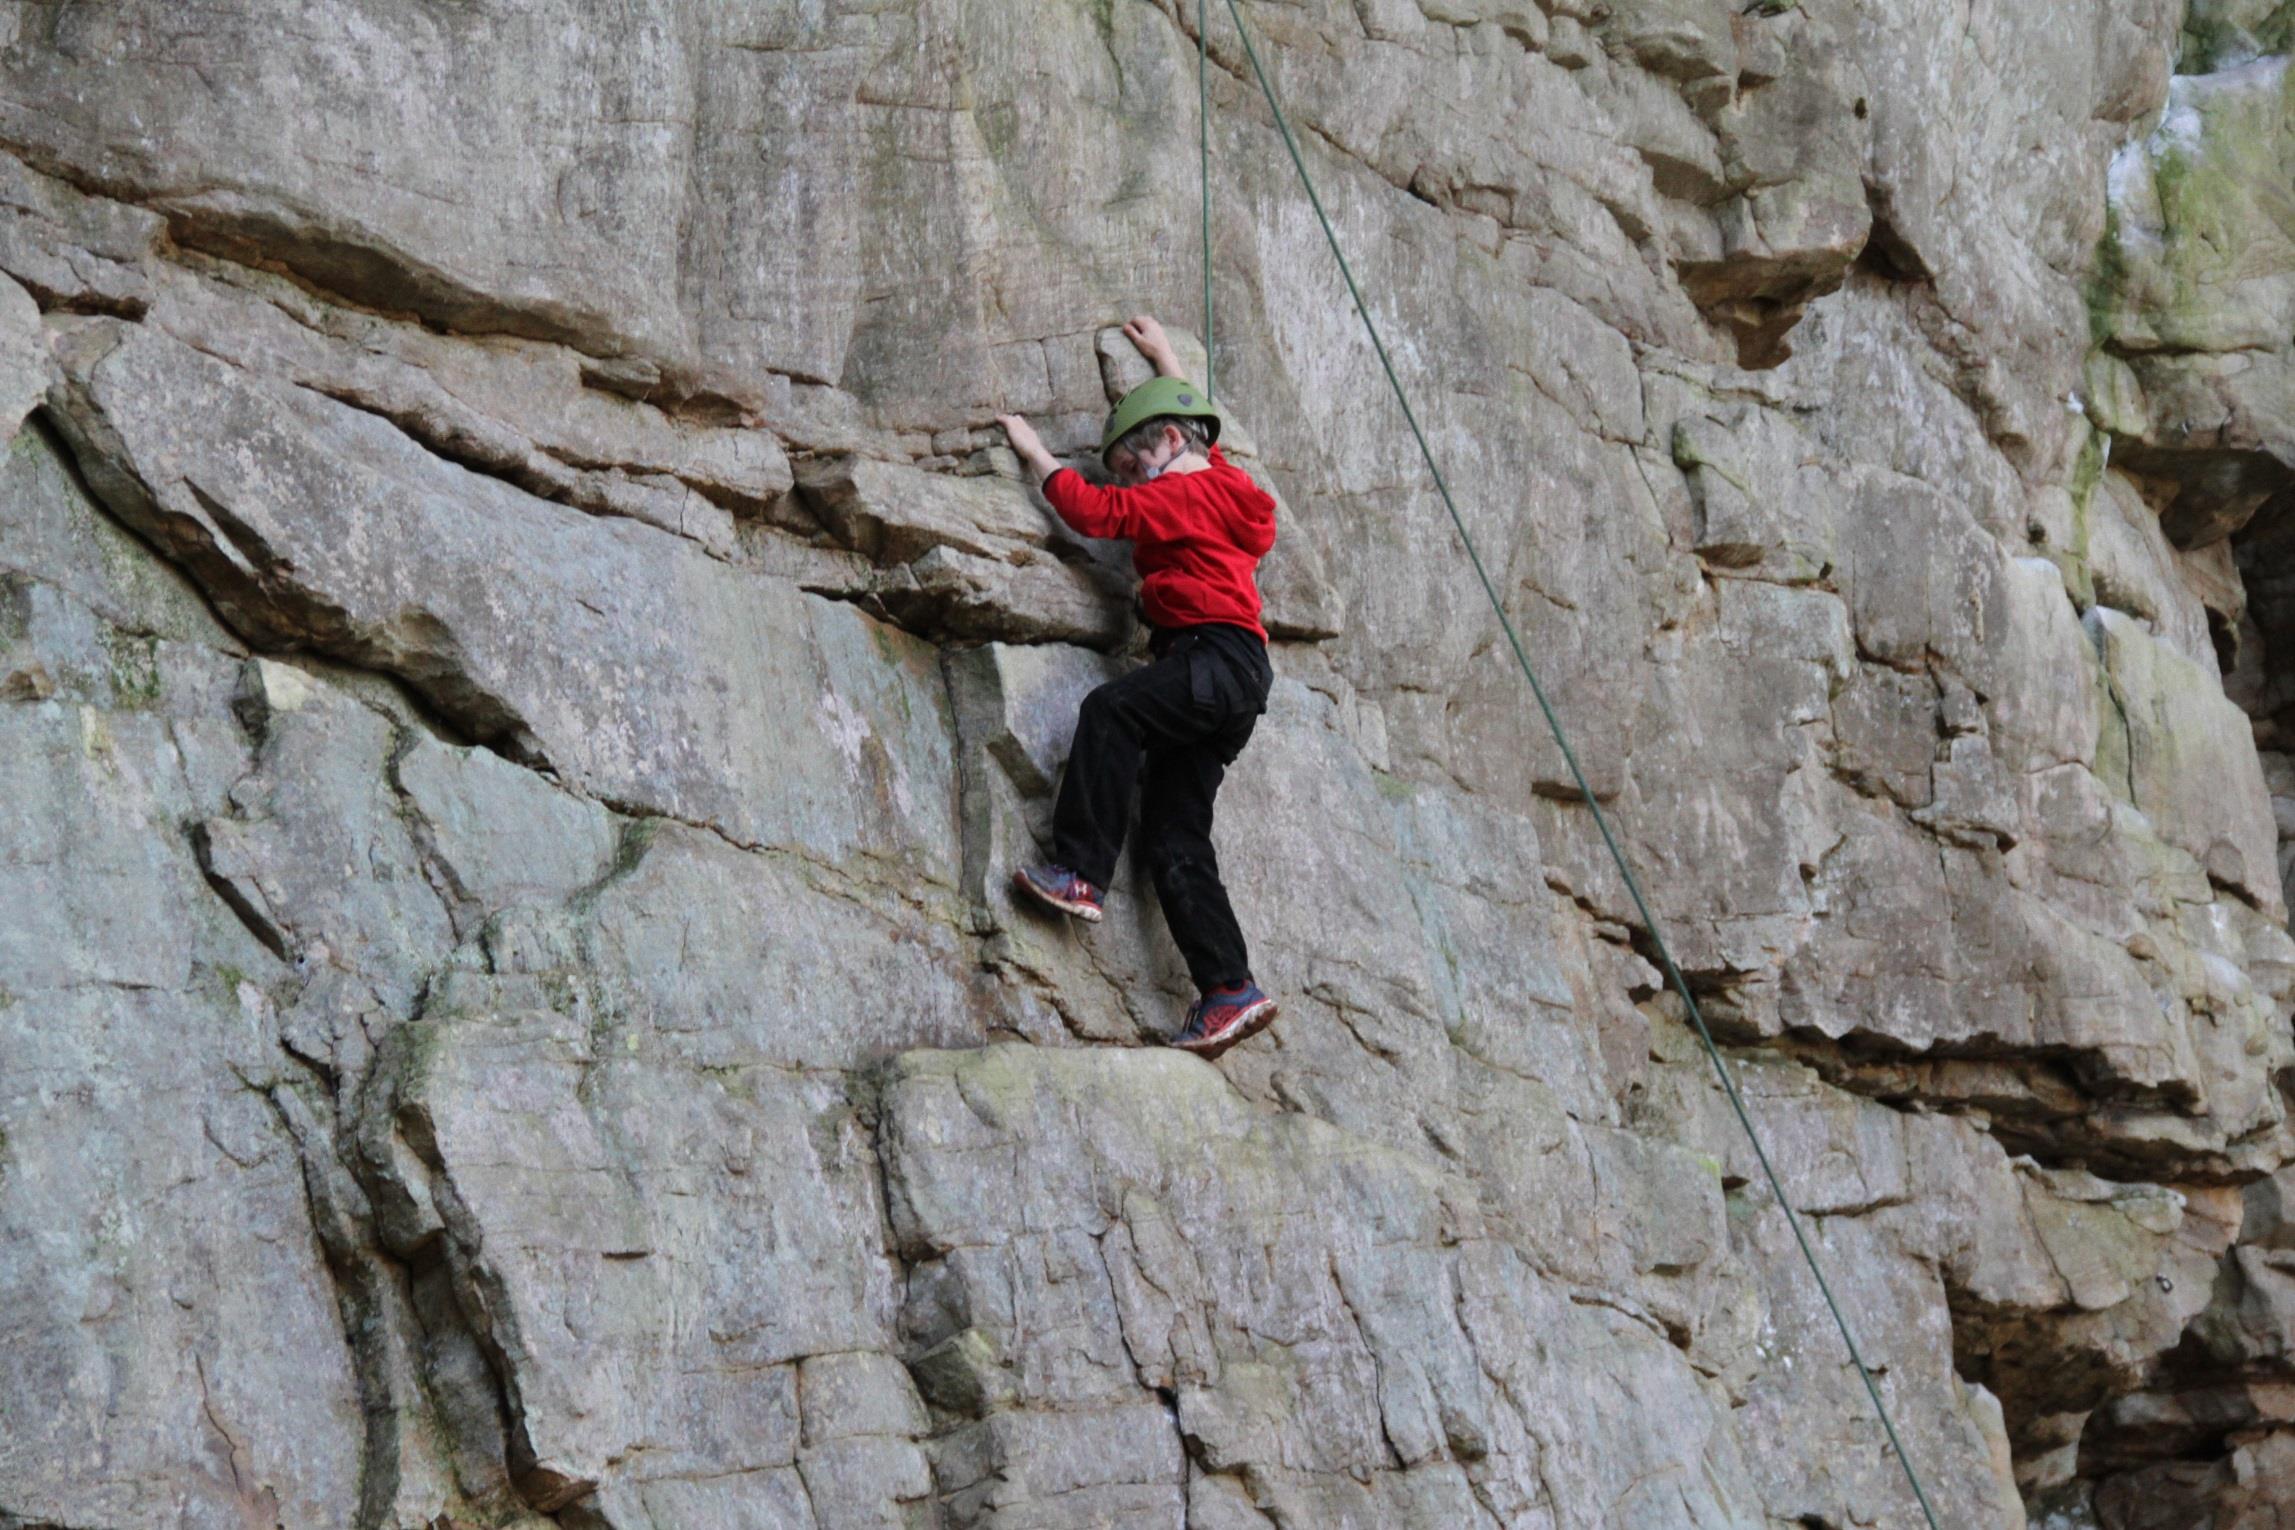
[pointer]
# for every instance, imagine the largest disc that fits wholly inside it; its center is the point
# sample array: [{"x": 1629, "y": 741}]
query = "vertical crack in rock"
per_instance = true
[
  {"x": 397, "y": 1390},
  {"x": 467, "y": 1380},
  {"x": 241, "y": 898},
  {"x": 361, "y": 1277},
  {"x": 259, "y": 1504}
]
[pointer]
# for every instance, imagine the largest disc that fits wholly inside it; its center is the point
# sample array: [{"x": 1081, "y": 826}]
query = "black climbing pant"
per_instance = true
[{"x": 1167, "y": 731}]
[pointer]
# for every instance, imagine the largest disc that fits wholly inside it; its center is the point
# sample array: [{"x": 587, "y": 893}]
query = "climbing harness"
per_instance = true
[{"x": 1521, "y": 658}]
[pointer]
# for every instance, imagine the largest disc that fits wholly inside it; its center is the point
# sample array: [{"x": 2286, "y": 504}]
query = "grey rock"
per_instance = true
[
  {"x": 526, "y": 668},
  {"x": 551, "y": 1153},
  {"x": 495, "y": 834},
  {"x": 633, "y": 725},
  {"x": 72, "y": 248},
  {"x": 24, "y": 362},
  {"x": 729, "y": 955},
  {"x": 2218, "y": 809},
  {"x": 177, "y": 1276}
]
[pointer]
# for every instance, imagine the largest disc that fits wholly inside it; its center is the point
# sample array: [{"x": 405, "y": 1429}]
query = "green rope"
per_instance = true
[
  {"x": 1554, "y": 725},
  {"x": 1203, "y": 124}
]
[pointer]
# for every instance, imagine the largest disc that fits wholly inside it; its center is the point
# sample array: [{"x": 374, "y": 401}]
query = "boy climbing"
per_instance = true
[{"x": 1198, "y": 527}]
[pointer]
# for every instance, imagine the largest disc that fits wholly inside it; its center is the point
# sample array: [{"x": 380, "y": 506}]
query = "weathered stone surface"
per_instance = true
[
  {"x": 565, "y": 1168},
  {"x": 171, "y": 1282},
  {"x": 1320, "y": 1362},
  {"x": 392, "y": 573},
  {"x": 967, "y": 557},
  {"x": 2196, "y": 294},
  {"x": 24, "y": 363},
  {"x": 1272, "y": 1342},
  {"x": 2188, "y": 766},
  {"x": 525, "y": 669},
  {"x": 541, "y": 416},
  {"x": 72, "y": 249}
]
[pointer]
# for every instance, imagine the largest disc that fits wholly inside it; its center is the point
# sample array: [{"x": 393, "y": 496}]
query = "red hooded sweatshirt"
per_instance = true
[{"x": 1197, "y": 539}]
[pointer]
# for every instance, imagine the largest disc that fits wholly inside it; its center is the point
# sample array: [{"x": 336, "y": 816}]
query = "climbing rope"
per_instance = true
[
  {"x": 1203, "y": 127},
  {"x": 1522, "y": 658}
]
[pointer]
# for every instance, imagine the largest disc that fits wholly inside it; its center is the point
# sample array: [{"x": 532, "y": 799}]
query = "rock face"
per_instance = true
[{"x": 525, "y": 667}]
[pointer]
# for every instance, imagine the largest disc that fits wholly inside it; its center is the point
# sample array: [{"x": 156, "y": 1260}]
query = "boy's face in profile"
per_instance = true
[{"x": 1132, "y": 469}]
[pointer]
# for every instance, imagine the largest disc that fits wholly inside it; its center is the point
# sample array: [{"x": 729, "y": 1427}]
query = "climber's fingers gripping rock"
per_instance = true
[
  {"x": 1028, "y": 446},
  {"x": 1022, "y": 434},
  {"x": 1147, "y": 336}
]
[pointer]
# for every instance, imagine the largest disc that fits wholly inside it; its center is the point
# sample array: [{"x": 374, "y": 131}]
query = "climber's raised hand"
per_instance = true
[
  {"x": 1147, "y": 336},
  {"x": 1028, "y": 445}
]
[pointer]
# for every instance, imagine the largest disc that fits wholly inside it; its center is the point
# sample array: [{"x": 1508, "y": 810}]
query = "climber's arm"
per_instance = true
[
  {"x": 1086, "y": 507},
  {"x": 1148, "y": 336},
  {"x": 1028, "y": 446}
]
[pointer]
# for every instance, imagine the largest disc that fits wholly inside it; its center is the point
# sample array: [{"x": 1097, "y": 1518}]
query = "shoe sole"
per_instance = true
[
  {"x": 1083, "y": 911},
  {"x": 1255, "y": 1020}
]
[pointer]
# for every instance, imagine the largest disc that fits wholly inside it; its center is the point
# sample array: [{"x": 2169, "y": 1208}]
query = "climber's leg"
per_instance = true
[
  {"x": 1117, "y": 724},
  {"x": 1175, "y": 842}
]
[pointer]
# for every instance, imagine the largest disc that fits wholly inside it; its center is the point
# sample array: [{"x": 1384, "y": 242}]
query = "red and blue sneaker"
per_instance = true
[
  {"x": 1224, "y": 1016},
  {"x": 1059, "y": 888}
]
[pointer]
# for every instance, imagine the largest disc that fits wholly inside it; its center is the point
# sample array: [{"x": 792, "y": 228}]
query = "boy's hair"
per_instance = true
[{"x": 1147, "y": 433}]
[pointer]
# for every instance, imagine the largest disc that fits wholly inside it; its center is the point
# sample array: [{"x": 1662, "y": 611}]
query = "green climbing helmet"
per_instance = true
[{"x": 1154, "y": 399}]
